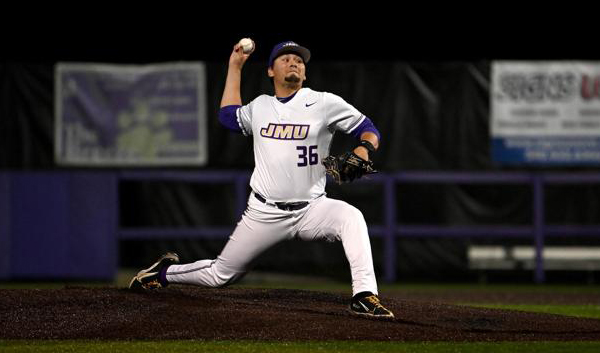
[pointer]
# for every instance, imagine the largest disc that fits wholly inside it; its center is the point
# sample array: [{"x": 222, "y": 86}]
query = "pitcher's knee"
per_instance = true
[
  {"x": 223, "y": 280},
  {"x": 350, "y": 217},
  {"x": 352, "y": 214}
]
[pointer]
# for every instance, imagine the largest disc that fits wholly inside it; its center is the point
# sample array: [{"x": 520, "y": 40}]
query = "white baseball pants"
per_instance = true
[{"x": 264, "y": 225}]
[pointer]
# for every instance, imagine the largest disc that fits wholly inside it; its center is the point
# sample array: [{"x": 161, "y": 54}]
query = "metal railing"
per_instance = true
[{"x": 390, "y": 230}]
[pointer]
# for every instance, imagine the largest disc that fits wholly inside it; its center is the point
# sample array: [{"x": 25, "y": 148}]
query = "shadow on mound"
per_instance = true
[{"x": 180, "y": 312}]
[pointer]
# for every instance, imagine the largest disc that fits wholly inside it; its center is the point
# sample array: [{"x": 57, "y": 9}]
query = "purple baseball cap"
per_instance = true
[{"x": 289, "y": 47}]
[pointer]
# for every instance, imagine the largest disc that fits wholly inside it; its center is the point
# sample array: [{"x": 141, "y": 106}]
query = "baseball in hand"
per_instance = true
[{"x": 247, "y": 45}]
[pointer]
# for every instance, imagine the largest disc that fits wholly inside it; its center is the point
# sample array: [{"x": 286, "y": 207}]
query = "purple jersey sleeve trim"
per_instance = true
[
  {"x": 366, "y": 125},
  {"x": 228, "y": 118}
]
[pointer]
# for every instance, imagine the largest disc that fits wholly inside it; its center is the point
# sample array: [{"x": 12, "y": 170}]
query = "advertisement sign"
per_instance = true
[{"x": 545, "y": 112}]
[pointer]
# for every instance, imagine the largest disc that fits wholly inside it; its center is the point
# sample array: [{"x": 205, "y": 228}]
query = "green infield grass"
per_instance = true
[
  {"x": 294, "y": 347},
  {"x": 589, "y": 311}
]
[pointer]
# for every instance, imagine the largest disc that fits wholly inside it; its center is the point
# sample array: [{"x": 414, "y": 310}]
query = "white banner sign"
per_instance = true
[
  {"x": 545, "y": 112},
  {"x": 131, "y": 115}
]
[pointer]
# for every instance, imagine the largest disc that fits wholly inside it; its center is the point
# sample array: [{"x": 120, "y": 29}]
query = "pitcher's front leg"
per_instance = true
[{"x": 332, "y": 219}]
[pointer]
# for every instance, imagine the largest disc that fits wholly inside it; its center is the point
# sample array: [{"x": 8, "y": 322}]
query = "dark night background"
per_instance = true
[{"x": 370, "y": 60}]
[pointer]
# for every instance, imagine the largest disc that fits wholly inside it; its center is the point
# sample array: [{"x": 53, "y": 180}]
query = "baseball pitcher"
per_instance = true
[{"x": 291, "y": 132}]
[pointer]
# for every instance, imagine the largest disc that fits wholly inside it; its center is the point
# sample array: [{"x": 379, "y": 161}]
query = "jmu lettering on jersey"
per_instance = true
[{"x": 285, "y": 131}]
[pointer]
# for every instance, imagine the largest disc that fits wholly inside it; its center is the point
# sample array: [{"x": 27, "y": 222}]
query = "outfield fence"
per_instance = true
[{"x": 390, "y": 230}]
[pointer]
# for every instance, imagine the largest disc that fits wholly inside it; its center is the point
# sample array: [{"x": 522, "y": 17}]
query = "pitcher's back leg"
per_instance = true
[{"x": 249, "y": 239}]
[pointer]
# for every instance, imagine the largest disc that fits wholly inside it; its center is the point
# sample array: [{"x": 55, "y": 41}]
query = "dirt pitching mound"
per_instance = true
[{"x": 180, "y": 312}]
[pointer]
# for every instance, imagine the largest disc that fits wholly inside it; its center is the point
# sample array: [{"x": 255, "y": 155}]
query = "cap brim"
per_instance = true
[{"x": 301, "y": 51}]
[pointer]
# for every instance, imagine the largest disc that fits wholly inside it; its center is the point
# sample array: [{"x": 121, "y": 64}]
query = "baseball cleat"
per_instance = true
[
  {"x": 367, "y": 304},
  {"x": 150, "y": 277}
]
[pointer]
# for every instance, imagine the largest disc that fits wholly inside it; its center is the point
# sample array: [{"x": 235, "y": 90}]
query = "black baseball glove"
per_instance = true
[{"x": 347, "y": 167}]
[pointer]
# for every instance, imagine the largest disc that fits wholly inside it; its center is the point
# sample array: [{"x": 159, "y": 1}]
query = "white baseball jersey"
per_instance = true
[
  {"x": 290, "y": 139},
  {"x": 303, "y": 128}
]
